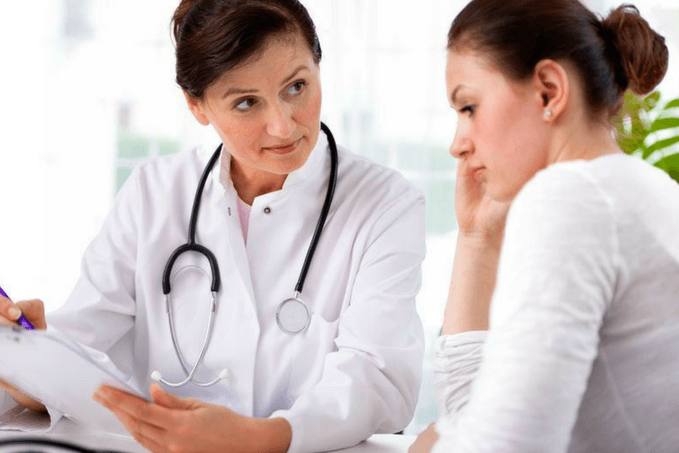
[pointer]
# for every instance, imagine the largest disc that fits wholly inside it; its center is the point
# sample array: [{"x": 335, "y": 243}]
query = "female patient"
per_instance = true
[{"x": 582, "y": 353}]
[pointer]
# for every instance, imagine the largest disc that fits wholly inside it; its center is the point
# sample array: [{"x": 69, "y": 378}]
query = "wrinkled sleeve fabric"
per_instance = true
[
  {"x": 520, "y": 390},
  {"x": 456, "y": 364},
  {"x": 104, "y": 293},
  {"x": 370, "y": 384}
]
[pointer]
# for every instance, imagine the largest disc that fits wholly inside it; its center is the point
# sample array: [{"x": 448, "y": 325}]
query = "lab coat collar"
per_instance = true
[
  {"x": 220, "y": 177},
  {"x": 310, "y": 169}
]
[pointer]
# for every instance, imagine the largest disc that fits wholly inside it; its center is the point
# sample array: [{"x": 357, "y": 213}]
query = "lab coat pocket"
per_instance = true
[{"x": 310, "y": 349}]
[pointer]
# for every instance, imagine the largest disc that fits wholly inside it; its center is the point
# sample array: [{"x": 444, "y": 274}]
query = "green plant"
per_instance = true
[{"x": 646, "y": 129}]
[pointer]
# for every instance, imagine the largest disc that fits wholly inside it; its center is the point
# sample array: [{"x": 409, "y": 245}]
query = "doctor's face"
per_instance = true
[
  {"x": 267, "y": 111},
  {"x": 499, "y": 129}
]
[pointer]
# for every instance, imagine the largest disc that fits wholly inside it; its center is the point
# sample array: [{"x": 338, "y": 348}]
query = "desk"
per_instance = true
[{"x": 67, "y": 430}]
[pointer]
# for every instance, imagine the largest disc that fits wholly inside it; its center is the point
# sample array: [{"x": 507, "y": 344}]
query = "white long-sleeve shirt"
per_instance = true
[
  {"x": 355, "y": 371},
  {"x": 582, "y": 354}
]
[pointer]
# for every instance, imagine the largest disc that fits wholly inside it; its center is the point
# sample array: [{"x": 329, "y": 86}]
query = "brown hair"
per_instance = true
[
  {"x": 611, "y": 55},
  {"x": 214, "y": 36}
]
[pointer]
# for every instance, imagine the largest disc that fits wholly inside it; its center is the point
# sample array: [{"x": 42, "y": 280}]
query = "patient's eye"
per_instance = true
[{"x": 468, "y": 109}]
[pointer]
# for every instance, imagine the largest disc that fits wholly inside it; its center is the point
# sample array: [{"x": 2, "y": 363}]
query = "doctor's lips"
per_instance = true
[{"x": 283, "y": 149}]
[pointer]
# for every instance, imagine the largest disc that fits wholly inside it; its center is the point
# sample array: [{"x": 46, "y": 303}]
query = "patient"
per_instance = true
[{"x": 579, "y": 349}]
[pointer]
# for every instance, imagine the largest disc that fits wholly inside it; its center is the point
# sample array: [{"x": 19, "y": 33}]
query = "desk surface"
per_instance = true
[{"x": 69, "y": 431}]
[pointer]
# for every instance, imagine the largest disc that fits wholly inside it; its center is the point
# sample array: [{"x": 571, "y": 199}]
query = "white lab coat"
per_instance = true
[{"x": 354, "y": 372}]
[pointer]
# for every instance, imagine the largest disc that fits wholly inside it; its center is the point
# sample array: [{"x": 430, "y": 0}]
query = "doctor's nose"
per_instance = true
[
  {"x": 279, "y": 122},
  {"x": 461, "y": 147}
]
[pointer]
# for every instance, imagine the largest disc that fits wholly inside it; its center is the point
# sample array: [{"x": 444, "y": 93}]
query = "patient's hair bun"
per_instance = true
[{"x": 641, "y": 52}]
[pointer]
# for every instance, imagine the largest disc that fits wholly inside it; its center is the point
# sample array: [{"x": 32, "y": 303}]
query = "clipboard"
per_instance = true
[{"x": 62, "y": 375}]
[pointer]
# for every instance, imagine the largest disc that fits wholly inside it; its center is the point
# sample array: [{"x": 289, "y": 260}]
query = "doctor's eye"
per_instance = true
[
  {"x": 296, "y": 88},
  {"x": 468, "y": 109},
  {"x": 245, "y": 104}
]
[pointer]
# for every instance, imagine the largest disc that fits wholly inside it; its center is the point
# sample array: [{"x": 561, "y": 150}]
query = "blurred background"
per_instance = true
[{"x": 88, "y": 89}]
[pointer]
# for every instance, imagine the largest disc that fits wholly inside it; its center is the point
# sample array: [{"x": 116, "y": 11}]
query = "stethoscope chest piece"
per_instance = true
[{"x": 293, "y": 316}]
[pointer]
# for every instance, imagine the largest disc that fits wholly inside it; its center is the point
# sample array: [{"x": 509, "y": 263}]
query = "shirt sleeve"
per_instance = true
[
  {"x": 370, "y": 384},
  {"x": 456, "y": 364},
  {"x": 556, "y": 279}
]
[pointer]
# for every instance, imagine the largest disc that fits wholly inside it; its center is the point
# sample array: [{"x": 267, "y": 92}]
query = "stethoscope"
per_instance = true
[{"x": 292, "y": 315}]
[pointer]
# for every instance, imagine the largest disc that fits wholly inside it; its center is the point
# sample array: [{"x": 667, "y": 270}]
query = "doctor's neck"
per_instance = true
[{"x": 251, "y": 182}]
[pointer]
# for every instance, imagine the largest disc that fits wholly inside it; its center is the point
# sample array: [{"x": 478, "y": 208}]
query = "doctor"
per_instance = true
[{"x": 342, "y": 359}]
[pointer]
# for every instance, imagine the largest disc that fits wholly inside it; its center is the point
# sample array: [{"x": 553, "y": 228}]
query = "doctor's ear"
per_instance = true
[
  {"x": 553, "y": 87},
  {"x": 197, "y": 107}
]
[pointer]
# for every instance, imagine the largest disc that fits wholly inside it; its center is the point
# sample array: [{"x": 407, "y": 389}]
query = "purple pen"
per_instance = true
[{"x": 22, "y": 319}]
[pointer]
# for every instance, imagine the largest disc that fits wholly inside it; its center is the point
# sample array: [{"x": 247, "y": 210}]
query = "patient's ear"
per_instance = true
[
  {"x": 197, "y": 107},
  {"x": 552, "y": 87}
]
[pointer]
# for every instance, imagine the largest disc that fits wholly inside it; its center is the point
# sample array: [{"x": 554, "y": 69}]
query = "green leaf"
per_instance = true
[
  {"x": 660, "y": 144},
  {"x": 629, "y": 145},
  {"x": 673, "y": 104},
  {"x": 670, "y": 164},
  {"x": 664, "y": 123},
  {"x": 651, "y": 101},
  {"x": 638, "y": 128}
]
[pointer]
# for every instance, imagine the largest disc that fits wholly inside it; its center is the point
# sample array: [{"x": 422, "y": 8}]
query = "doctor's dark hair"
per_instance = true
[
  {"x": 610, "y": 55},
  {"x": 215, "y": 36}
]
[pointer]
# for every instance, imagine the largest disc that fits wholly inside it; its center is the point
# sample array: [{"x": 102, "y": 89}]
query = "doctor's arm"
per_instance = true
[
  {"x": 187, "y": 425},
  {"x": 370, "y": 384}
]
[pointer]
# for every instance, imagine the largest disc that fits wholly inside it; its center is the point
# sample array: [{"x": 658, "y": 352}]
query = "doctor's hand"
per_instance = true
[
  {"x": 21, "y": 398},
  {"x": 173, "y": 424},
  {"x": 425, "y": 441},
  {"x": 478, "y": 215},
  {"x": 34, "y": 310}
]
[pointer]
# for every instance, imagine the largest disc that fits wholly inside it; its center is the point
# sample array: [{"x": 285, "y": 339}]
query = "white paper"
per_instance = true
[{"x": 62, "y": 375}]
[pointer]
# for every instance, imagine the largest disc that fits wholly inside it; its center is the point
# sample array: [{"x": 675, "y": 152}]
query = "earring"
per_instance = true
[{"x": 548, "y": 113}]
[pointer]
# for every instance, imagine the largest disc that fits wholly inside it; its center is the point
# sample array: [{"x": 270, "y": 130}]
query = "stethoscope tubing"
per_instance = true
[
  {"x": 203, "y": 348},
  {"x": 329, "y": 195}
]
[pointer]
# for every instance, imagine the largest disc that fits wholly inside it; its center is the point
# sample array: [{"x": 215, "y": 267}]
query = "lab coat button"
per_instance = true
[{"x": 267, "y": 210}]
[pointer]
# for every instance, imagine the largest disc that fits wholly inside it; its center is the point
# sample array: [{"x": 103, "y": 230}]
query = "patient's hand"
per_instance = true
[
  {"x": 478, "y": 214},
  {"x": 425, "y": 441}
]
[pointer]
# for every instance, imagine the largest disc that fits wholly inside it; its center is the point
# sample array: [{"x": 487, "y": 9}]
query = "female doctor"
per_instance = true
[{"x": 294, "y": 362}]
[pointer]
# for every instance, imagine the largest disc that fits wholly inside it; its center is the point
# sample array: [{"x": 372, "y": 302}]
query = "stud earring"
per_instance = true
[{"x": 548, "y": 113}]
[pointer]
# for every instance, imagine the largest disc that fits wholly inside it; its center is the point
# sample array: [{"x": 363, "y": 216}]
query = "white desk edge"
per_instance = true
[{"x": 69, "y": 431}]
